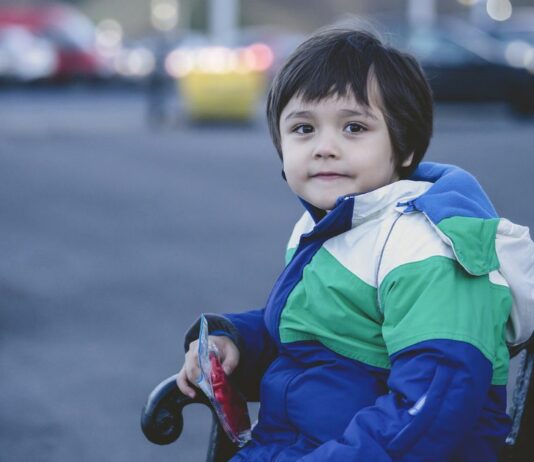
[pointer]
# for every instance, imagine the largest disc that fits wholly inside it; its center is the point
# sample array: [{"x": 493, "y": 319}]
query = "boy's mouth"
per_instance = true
[{"x": 328, "y": 175}]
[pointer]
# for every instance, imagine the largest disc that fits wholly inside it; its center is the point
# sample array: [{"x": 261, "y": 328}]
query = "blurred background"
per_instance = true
[{"x": 139, "y": 186}]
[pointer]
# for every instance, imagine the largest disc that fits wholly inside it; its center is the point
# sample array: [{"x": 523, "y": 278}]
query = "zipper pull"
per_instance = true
[{"x": 409, "y": 206}]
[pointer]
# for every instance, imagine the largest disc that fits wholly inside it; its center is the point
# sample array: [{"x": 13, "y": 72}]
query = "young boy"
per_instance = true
[{"x": 384, "y": 337}]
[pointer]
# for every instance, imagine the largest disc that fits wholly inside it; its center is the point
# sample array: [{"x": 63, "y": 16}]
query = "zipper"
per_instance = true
[{"x": 409, "y": 206}]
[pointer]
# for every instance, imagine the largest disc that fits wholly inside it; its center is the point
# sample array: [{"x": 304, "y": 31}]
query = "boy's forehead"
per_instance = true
[{"x": 348, "y": 102}]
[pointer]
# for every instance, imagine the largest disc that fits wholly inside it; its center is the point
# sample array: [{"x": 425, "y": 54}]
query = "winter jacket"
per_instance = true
[{"x": 384, "y": 338}]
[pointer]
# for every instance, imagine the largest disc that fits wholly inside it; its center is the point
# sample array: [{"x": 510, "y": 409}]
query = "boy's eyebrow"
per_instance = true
[
  {"x": 296, "y": 114},
  {"x": 363, "y": 113},
  {"x": 346, "y": 112}
]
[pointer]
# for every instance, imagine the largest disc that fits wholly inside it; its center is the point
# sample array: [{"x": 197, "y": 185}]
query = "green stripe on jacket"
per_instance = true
[
  {"x": 425, "y": 300},
  {"x": 335, "y": 307},
  {"x": 437, "y": 299}
]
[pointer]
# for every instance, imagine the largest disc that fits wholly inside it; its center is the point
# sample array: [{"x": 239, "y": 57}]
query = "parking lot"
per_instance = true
[{"x": 116, "y": 236}]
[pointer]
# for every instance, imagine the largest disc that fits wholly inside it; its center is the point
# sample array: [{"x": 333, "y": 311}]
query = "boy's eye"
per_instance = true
[
  {"x": 303, "y": 129},
  {"x": 354, "y": 127}
]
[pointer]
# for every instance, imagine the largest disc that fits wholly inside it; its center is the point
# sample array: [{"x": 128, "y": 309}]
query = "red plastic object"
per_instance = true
[{"x": 232, "y": 403}]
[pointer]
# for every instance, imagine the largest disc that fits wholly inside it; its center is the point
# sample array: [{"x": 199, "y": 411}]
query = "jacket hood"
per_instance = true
[
  {"x": 455, "y": 192},
  {"x": 461, "y": 213},
  {"x": 482, "y": 242}
]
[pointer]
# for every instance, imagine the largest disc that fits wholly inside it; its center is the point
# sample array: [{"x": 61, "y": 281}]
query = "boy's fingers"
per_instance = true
[
  {"x": 193, "y": 346},
  {"x": 192, "y": 371},
  {"x": 191, "y": 363},
  {"x": 191, "y": 355},
  {"x": 229, "y": 365},
  {"x": 230, "y": 359},
  {"x": 183, "y": 384}
]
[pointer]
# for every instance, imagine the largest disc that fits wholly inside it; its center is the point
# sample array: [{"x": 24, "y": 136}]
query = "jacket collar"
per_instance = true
[
  {"x": 356, "y": 208},
  {"x": 451, "y": 199},
  {"x": 453, "y": 192}
]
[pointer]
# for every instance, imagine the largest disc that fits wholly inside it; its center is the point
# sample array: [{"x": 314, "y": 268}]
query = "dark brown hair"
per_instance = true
[{"x": 339, "y": 61}]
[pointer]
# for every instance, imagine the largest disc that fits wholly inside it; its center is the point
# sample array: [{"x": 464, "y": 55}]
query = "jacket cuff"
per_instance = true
[{"x": 218, "y": 325}]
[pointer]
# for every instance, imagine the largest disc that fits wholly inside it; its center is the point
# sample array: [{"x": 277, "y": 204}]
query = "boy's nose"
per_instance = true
[{"x": 326, "y": 147}]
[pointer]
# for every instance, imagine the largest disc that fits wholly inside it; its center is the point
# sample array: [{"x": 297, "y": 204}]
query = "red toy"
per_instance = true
[
  {"x": 230, "y": 401},
  {"x": 229, "y": 404}
]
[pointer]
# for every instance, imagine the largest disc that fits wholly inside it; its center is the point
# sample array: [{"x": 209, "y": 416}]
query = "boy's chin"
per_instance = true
[{"x": 324, "y": 205}]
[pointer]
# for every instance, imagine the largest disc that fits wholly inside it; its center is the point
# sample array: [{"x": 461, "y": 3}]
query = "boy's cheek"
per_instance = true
[
  {"x": 291, "y": 176},
  {"x": 295, "y": 186}
]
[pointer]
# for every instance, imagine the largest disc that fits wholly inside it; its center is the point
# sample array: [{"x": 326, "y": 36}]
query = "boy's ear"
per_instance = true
[{"x": 408, "y": 161}]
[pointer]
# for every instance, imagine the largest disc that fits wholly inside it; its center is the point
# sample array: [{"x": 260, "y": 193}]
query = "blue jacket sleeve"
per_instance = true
[
  {"x": 256, "y": 347},
  {"x": 437, "y": 392},
  {"x": 257, "y": 350}
]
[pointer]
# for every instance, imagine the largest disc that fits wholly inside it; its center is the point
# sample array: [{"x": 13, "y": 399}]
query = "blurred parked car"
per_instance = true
[
  {"x": 519, "y": 27},
  {"x": 517, "y": 33},
  {"x": 217, "y": 82},
  {"x": 464, "y": 63},
  {"x": 25, "y": 57},
  {"x": 67, "y": 30}
]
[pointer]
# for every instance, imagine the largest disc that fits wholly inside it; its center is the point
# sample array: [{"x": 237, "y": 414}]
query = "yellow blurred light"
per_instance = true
[
  {"x": 219, "y": 60},
  {"x": 249, "y": 58},
  {"x": 202, "y": 59},
  {"x": 263, "y": 57},
  {"x": 499, "y": 10},
  {"x": 180, "y": 63},
  {"x": 517, "y": 53},
  {"x": 468, "y": 2},
  {"x": 256, "y": 58},
  {"x": 242, "y": 66},
  {"x": 213, "y": 59},
  {"x": 233, "y": 61}
]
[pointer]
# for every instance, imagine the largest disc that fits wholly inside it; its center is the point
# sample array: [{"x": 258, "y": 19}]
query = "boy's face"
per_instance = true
[{"x": 335, "y": 147}]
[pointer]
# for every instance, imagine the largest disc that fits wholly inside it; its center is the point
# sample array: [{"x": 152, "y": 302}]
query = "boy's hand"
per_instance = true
[{"x": 228, "y": 354}]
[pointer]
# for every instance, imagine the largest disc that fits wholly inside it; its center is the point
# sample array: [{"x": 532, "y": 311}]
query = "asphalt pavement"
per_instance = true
[{"x": 114, "y": 237}]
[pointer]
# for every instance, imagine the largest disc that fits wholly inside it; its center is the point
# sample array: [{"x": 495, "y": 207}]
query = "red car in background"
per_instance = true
[{"x": 71, "y": 34}]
